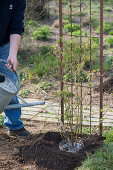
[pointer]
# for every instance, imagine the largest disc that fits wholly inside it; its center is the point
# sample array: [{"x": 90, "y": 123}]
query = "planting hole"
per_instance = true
[{"x": 69, "y": 147}]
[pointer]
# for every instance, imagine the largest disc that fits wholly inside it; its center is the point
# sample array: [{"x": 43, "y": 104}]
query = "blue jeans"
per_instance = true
[{"x": 12, "y": 116}]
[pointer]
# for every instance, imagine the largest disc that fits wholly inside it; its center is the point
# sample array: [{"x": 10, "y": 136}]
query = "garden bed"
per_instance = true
[{"x": 41, "y": 150}]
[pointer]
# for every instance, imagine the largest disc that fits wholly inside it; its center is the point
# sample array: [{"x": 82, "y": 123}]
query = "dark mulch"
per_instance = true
[
  {"x": 107, "y": 86},
  {"x": 43, "y": 151}
]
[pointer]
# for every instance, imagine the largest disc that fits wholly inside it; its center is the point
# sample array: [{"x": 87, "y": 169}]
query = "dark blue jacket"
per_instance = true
[{"x": 11, "y": 18}]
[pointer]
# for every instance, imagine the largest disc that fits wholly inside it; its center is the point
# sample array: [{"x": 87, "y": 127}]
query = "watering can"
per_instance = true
[{"x": 9, "y": 89}]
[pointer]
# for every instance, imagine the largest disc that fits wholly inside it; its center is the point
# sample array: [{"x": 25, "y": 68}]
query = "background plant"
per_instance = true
[
  {"x": 45, "y": 85},
  {"x": 42, "y": 33},
  {"x": 83, "y": 32},
  {"x": 107, "y": 28},
  {"x": 102, "y": 159},
  {"x": 76, "y": 53},
  {"x": 110, "y": 41},
  {"x": 75, "y": 27},
  {"x": 24, "y": 92},
  {"x": 108, "y": 63},
  {"x": 45, "y": 62}
]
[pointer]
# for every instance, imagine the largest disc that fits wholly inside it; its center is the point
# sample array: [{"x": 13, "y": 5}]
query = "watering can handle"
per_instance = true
[{"x": 16, "y": 73}]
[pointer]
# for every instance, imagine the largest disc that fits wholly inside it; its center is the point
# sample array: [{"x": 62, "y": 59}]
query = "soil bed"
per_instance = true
[
  {"x": 43, "y": 151},
  {"x": 108, "y": 86}
]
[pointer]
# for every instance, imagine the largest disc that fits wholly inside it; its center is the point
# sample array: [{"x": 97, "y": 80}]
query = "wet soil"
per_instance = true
[
  {"x": 108, "y": 86},
  {"x": 43, "y": 151},
  {"x": 40, "y": 151}
]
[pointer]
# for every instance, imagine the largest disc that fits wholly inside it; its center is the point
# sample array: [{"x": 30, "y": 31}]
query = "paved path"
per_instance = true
[{"x": 45, "y": 113}]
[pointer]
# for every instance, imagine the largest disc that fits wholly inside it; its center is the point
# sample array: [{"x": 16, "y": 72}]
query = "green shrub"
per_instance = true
[
  {"x": 45, "y": 49},
  {"x": 96, "y": 67},
  {"x": 45, "y": 85},
  {"x": 75, "y": 58},
  {"x": 106, "y": 28},
  {"x": 94, "y": 22},
  {"x": 82, "y": 77},
  {"x": 42, "y": 33},
  {"x": 108, "y": 63},
  {"x": 67, "y": 52},
  {"x": 108, "y": 9},
  {"x": 109, "y": 134},
  {"x": 69, "y": 77},
  {"x": 24, "y": 92},
  {"x": 76, "y": 53},
  {"x": 102, "y": 159},
  {"x": 33, "y": 23},
  {"x": 110, "y": 41},
  {"x": 65, "y": 2},
  {"x": 45, "y": 62},
  {"x": 95, "y": 40},
  {"x": 75, "y": 27},
  {"x": 78, "y": 32},
  {"x": 111, "y": 32},
  {"x": 67, "y": 17}
]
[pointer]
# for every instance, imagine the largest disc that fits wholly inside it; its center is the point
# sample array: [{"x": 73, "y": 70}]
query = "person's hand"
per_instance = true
[{"x": 13, "y": 60}]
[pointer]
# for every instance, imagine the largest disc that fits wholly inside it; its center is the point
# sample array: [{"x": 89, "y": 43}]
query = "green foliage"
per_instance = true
[
  {"x": 86, "y": 130},
  {"x": 45, "y": 85},
  {"x": 46, "y": 49},
  {"x": 67, "y": 53},
  {"x": 109, "y": 135},
  {"x": 65, "y": 2},
  {"x": 108, "y": 9},
  {"x": 45, "y": 62},
  {"x": 76, "y": 53},
  {"x": 95, "y": 22},
  {"x": 108, "y": 63},
  {"x": 42, "y": 33},
  {"x": 67, "y": 18},
  {"x": 107, "y": 27},
  {"x": 95, "y": 40},
  {"x": 111, "y": 32},
  {"x": 96, "y": 67},
  {"x": 75, "y": 27},
  {"x": 110, "y": 41},
  {"x": 24, "y": 92},
  {"x": 1, "y": 121},
  {"x": 79, "y": 76},
  {"x": 82, "y": 76},
  {"x": 101, "y": 159},
  {"x": 78, "y": 32},
  {"x": 33, "y": 23}
]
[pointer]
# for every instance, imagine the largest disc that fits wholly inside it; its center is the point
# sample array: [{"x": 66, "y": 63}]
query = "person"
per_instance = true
[{"x": 11, "y": 29}]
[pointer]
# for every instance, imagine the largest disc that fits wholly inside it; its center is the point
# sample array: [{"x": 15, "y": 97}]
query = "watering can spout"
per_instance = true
[{"x": 24, "y": 104}]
